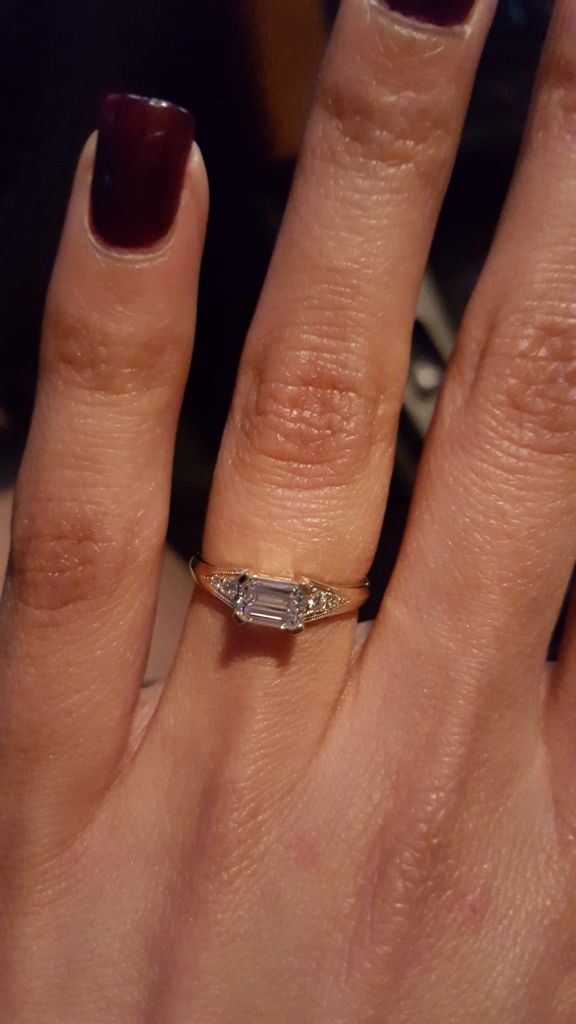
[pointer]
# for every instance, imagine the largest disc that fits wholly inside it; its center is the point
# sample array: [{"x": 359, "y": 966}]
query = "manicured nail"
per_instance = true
[
  {"x": 434, "y": 12},
  {"x": 141, "y": 155}
]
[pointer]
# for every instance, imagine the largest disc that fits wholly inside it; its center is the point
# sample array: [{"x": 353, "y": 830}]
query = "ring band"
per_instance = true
[{"x": 278, "y": 601}]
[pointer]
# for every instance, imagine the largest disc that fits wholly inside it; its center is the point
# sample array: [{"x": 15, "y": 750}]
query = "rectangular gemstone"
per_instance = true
[{"x": 269, "y": 602}]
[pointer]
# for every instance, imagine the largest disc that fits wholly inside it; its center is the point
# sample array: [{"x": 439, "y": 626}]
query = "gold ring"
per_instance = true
[{"x": 282, "y": 602}]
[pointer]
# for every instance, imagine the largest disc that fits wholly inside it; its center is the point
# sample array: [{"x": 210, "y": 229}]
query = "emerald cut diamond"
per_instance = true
[{"x": 270, "y": 602}]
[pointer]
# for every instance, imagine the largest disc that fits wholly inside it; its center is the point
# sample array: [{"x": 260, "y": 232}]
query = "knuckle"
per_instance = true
[
  {"x": 109, "y": 352},
  {"x": 58, "y": 560},
  {"x": 407, "y": 872},
  {"x": 63, "y": 555},
  {"x": 531, "y": 362},
  {"x": 362, "y": 121},
  {"x": 311, "y": 415}
]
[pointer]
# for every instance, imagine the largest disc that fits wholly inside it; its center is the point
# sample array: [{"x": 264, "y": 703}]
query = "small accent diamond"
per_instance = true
[
  {"x": 320, "y": 600},
  {"x": 227, "y": 586}
]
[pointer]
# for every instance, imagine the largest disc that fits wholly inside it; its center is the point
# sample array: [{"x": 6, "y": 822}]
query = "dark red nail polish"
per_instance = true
[
  {"x": 141, "y": 155},
  {"x": 435, "y": 12}
]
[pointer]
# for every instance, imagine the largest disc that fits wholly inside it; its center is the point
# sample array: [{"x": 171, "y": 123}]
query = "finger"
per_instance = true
[
  {"x": 492, "y": 539},
  {"x": 92, "y": 495},
  {"x": 305, "y": 461}
]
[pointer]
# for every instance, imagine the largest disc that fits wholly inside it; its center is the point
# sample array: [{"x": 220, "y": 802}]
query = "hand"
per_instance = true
[{"x": 292, "y": 830}]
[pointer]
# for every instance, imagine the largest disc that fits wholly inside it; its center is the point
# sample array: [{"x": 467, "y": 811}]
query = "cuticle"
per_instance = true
[
  {"x": 144, "y": 257},
  {"x": 412, "y": 26}
]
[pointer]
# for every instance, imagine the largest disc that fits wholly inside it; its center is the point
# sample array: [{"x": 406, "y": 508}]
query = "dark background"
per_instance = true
[{"x": 58, "y": 59}]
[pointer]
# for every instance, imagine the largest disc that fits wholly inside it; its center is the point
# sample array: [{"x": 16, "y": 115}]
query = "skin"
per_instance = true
[
  {"x": 327, "y": 829},
  {"x": 174, "y": 592}
]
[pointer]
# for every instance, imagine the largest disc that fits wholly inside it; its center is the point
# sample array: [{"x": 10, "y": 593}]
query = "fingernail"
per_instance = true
[
  {"x": 141, "y": 154},
  {"x": 445, "y": 13}
]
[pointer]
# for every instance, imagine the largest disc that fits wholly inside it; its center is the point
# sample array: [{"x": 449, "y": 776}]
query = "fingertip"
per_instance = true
[
  {"x": 187, "y": 226},
  {"x": 196, "y": 188},
  {"x": 139, "y": 168}
]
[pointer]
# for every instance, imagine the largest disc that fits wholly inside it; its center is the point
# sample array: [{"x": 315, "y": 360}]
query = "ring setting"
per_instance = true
[{"x": 279, "y": 602}]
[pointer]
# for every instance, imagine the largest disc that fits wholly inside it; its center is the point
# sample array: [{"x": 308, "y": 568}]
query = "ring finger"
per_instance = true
[{"x": 305, "y": 462}]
